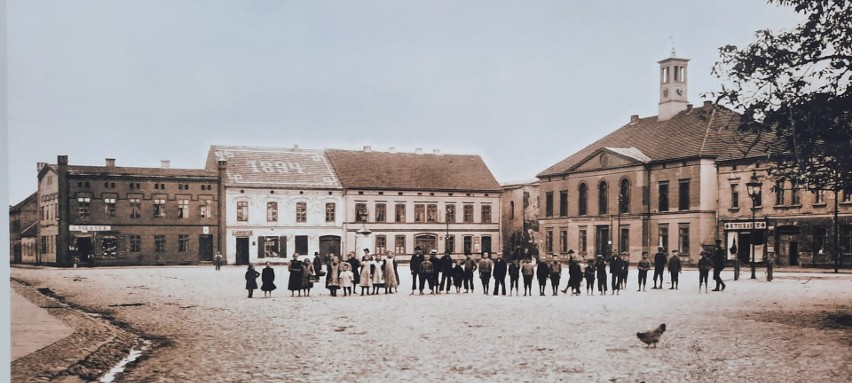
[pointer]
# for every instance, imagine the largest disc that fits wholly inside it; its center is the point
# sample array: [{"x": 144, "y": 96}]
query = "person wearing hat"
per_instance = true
[
  {"x": 674, "y": 269},
  {"x": 625, "y": 266},
  {"x": 615, "y": 265},
  {"x": 414, "y": 266},
  {"x": 660, "y": 261},
  {"x": 500, "y": 269},
  {"x": 600, "y": 268},
  {"x": 436, "y": 265},
  {"x": 469, "y": 268},
  {"x": 643, "y": 266},
  {"x": 718, "y": 265},
  {"x": 446, "y": 272},
  {"x": 485, "y": 267},
  {"x": 704, "y": 266}
]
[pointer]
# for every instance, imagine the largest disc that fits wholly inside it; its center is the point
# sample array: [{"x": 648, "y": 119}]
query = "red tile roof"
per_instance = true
[
  {"x": 274, "y": 167},
  {"x": 691, "y": 133},
  {"x": 410, "y": 171}
]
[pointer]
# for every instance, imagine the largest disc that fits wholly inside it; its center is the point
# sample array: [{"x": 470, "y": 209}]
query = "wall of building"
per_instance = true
[
  {"x": 519, "y": 206},
  {"x": 48, "y": 223}
]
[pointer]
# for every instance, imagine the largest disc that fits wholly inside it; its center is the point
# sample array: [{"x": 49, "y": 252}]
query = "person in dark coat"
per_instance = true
[
  {"x": 514, "y": 275},
  {"x": 718, "y": 265},
  {"x": 436, "y": 264},
  {"x": 294, "y": 282},
  {"x": 267, "y": 277},
  {"x": 542, "y": 272},
  {"x": 446, "y": 271},
  {"x": 251, "y": 280},
  {"x": 625, "y": 267},
  {"x": 643, "y": 266},
  {"x": 555, "y": 275},
  {"x": 527, "y": 271},
  {"x": 416, "y": 261},
  {"x": 590, "y": 278},
  {"x": 615, "y": 265},
  {"x": 600, "y": 267},
  {"x": 660, "y": 260},
  {"x": 575, "y": 275},
  {"x": 458, "y": 276},
  {"x": 674, "y": 269},
  {"x": 469, "y": 268},
  {"x": 318, "y": 261},
  {"x": 427, "y": 274},
  {"x": 355, "y": 268},
  {"x": 500, "y": 268},
  {"x": 704, "y": 266}
]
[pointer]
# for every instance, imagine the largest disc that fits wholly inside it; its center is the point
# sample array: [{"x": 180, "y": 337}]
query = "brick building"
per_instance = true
[
  {"x": 111, "y": 215},
  {"x": 23, "y": 226},
  {"x": 519, "y": 208},
  {"x": 443, "y": 202}
]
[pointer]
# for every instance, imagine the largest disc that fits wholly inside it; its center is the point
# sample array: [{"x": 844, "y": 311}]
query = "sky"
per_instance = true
[{"x": 523, "y": 84}]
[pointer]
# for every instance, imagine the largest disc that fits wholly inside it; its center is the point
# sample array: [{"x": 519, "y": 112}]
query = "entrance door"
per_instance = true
[
  {"x": 486, "y": 244},
  {"x": 744, "y": 248},
  {"x": 794, "y": 253},
  {"x": 329, "y": 244},
  {"x": 302, "y": 244},
  {"x": 242, "y": 251},
  {"x": 602, "y": 241},
  {"x": 205, "y": 247},
  {"x": 84, "y": 249}
]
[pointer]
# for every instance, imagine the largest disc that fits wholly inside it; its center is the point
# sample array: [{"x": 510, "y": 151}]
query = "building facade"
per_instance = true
[
  {"x": 23, "y": 229},
  {"x": 519, "y": 207},
  {"x": 402, "y": 202},
  {"x": 110, "y": 215},
  {"x": 278, "y": 202}
]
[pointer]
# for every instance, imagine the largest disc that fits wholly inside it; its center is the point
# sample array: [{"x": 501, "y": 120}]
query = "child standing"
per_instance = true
[
  {"x": 347, "y": 277},
  {"x": 589, "y": 273}
]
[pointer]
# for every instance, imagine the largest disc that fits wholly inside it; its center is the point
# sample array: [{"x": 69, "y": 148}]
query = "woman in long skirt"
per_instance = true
[
  {"x": 366, "y": 280},
  {"x": 307, "y": 274},
  {"x": 251, "y": 280},
  {"x": 377, "y": 274},
  {"x": 294, "y": 282},
  {"x": 267, "y": 276},
  {"x": 391, "y": 282},
  {"x": 331, "y": 278}
]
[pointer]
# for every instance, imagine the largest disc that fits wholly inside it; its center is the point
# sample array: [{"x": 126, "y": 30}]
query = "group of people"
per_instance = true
[{"x": 442, "y": 274}]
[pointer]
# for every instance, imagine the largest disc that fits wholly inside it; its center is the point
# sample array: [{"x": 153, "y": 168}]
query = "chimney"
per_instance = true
[
  {"x": 436, "y": 151},
  {"x": 708, "y": 104},
  {"x": 40, "y": 165},
  {"x": 367, "y": 148},
  {"x": 418, "y": 150},
  {"x": 62, "y": 159},
  {"x": 634, "y": 118},
  {"x": 223, "y": 164},
  {"x": 392, "y": 149},
  {"x": 165, "y": 164},
  {"x": 110, "y": 162},
  {"x": 688, "y": 107}
]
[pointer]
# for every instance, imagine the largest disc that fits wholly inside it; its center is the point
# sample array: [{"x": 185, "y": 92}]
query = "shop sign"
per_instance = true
[
  {"x": 88, "y": 228},
  {"x": 242, "y": 233},
  {"x": 745, "y": 225}
]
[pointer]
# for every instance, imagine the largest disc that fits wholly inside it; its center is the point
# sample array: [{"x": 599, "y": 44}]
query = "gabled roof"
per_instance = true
[
  {"x": 31, "y": 230},
  {"x": 410, "y": 171},
  {"x": 274, "y": 167},
  {"x": 707, "y": 131},
  {"x": 21, "y": 204}
]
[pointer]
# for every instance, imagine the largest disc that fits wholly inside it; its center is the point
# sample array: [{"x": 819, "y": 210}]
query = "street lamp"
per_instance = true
[
  {"x": 363, "y": 231},
  {"x": 753, "y": 190},
  {"x": 447, "y": 237}
]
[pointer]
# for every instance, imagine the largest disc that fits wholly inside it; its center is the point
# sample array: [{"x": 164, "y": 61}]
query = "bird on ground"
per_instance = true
[{"x": 653, "y": 336}]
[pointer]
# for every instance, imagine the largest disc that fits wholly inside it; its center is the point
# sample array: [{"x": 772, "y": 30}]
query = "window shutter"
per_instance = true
[
  {"x": 261, "y": 247},
  {"x": 282, "y": 246}
]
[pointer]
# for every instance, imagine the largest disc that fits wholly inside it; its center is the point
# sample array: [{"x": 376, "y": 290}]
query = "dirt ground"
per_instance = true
[{"x": 796, "y": 328}]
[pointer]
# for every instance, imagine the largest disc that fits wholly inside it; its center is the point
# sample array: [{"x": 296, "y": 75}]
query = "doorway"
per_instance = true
[
  {"x": 205, "y": 247},
  {"x": 602, "y": 243},
  {"x": 794, "y": 253},
  {"x": 242, "y": 250},
  {"x": 84, "y": 248},
  {"x": 329, "y": 244},
  {"x": 302, "y": 244}
]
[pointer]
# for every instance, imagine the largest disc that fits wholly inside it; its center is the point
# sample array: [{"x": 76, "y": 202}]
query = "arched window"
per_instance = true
[
  {"x": 603, "y": 201},
  {"x": 582, "y": 196},
  {"x": 511, "y": 209},
  {"x": 624, "y": 196}
]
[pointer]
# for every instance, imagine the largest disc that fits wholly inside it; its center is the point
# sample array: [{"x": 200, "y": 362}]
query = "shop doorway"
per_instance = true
[
  {"x": 205, "y": 247},
  {"x": 242, "y": 251},
  {"x": 329, "y": 244},
  {"x": 302, "y": 244}
]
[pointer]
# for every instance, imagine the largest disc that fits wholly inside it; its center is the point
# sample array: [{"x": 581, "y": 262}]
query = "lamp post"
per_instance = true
[
  {"x": 447, "y": 236},
  {"x": 363, "y": 231},
  {"x": 753, "y": 190}
]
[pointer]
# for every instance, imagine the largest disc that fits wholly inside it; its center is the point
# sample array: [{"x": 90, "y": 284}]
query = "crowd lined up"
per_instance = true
[{"x": 373, "y": 273}]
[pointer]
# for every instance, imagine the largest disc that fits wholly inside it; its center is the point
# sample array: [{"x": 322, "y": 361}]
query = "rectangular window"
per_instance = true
[
  {"x": 419, "y": 212},
  {"x": 624, "y": 240},
  {"x": 330, "y": 215},
  {"x": 361, "y": 213},
  {"x": 83, "y": 206},
  {"x": 819, "y": 197},
  {"x": 563, "y": 241},
  {"x": 683, "y": 195},
  {"x": 820, "y": 240},
  {"x": 468, "y": 214},
  {"x": 582, "y": 241},
  {"x": 381, "y": 212},
  {"x": 109, "y": 207},
  {"x": 399, "y": 243},
  {"x": 603, "y": 242},
  {"x": 271, "y": 246},
  {"x": 548, "y": 204},
  {"x": 663, "y": 202},
  {"x": 847, "y": 196},
  {"x": 159, "y": 208},
  {"x": 399, "y": 212},
  {"x": 242, "y": 211},
  {"x": 548, "y": 241},
  {"x": 664, "y": 236},
  {"x": 431, "y": 213},
  {"x": 795, "y": 198},
  {"x": 735, "y": 197},
  {"x": 159, "y": 243},
  {"x": 451, "y": 214},
  {"x": 467, "y": 243},
  {"x": 486, "y": 213},
  {"x": 846, "y": 239},
  {"x": 204, "y": 209},
  {"x": 135, "y": 243},
  {"x": 381, "y": 244},
  {"x": 563, "y": 203},
  {"x": 683, "y": 239},
  {"x": 780, "y": 197},
  {"x": 135, "y": 208},
  {"x": 301, "y": 212},
  {"x": 758, "y": 200},
  {"x": 450, "y": 244},
  {"x": 183, "y": 208},
  {"x": 183, "y": 243},
  {"x": 272, "y": 212}
]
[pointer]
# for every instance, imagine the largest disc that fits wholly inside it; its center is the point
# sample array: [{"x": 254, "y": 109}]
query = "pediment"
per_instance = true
[{"x": 607, "y": 158}]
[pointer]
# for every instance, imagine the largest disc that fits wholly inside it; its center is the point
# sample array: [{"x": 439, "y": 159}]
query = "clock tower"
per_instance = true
[{"x": 672, "y": 86}]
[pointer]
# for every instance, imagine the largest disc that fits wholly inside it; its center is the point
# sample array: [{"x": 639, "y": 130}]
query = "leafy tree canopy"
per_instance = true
[{"x": 796, "y": 84}]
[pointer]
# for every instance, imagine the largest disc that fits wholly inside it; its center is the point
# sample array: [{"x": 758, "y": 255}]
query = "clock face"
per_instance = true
[
  {"x": 679, "y": 91},
  {"x": 665, "y": 92}
]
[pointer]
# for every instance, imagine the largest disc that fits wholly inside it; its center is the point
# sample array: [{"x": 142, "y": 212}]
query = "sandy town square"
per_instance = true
[{"x": 199, "y": 326}]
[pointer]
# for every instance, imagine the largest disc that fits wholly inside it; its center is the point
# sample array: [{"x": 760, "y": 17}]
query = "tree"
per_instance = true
[{"x": 796, "y": 84}]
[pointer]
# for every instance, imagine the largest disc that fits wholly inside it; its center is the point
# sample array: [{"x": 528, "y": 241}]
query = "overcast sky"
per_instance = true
[{"x": 521, "y": 83}]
